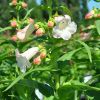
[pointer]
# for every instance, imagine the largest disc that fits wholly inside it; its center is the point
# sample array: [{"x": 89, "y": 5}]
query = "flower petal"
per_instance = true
[
  {"x": 22, "y": 62},
  {"x": 59, "y": 18},
  {"x": 68, "y": 18},
  {"x": 56, "y": 33},
  {"x": 66, "y": 35},
  {"x": 30, "y": 52},
  {"x": 24, "y": 33},
  {"x": 72, "y": 27},
  {"x": 39, "y": 94}
]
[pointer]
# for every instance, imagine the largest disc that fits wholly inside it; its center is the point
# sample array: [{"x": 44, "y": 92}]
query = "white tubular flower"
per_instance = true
[
  {"x": 87, "y": 78},
  {"x": 39, "y": 94},
  {"x": 23, "y": 58},
  {"x": 24, "y": 33},
  {"x": 64, "y": 27}
]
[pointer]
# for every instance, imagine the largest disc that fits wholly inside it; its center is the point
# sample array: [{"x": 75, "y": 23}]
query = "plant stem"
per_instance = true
[
  {"x": 4, "y": 29},
  {"x": 75, "y": 96}
]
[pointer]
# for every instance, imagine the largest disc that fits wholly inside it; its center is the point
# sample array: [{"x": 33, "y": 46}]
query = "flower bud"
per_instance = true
[
  {"x": 24, "y": 5},
  {"x": 39, "y": 32},
  {"x": 89, "y": 15},
  {"x": 50, "y": 24},
  {"x": 31, "y": 20},
  {"x": 14, "y": 2},
  {"x": 13, "y": 23},
  {"x": 36, "y": 26},
  {"x": 37, "y": 61},
  {"x": 14, "y": 38},
  {"x": 43, "y": 55}
]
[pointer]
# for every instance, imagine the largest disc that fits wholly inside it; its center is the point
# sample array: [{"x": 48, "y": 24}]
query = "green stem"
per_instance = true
[
  {"x": 75, "y": 96},
  {"x": 81, "y": 85},
  {"x": 4, "y": 29},
  {"x": 57, "y": 81}
]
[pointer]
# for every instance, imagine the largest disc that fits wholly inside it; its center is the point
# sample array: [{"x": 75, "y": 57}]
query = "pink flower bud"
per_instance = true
[
  {"x": 13, "y": 23},
  {"x": 24, "y": 5},
  {"x": 39, "y": 32},
  {"x": 37, "y": 61},
  {"x": 89, "y": 15},
  {"x": 14, "y": 38},
  {"x": 36, "y": 26},
  {"x": 43, "y": 55},
  {"x": 14, "y": 2},
  {"x": 31, "y": 20},
  {"x": 50, "y": 24}
]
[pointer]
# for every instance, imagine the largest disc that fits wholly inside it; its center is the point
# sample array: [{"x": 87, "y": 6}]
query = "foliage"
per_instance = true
[{"x": 61, "y": 73}]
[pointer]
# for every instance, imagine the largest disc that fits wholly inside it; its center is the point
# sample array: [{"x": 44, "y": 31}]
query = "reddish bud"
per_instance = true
[
  {"x": 39, "y": 32},
  {"x": 36, "y": 26},
  {"x": 50, "y": 24},
  {"x": 37, "y": 61},
  {"x": 89, "y": 15},
  {"x": 13, "y": 23},
  {"x": 14, "y": 2},
  {"x": 24, "y": 5},
  {"x": 14, "y": 38},
  {"x": 43, "y": 55},
  {"x": 31, "y": 20}
]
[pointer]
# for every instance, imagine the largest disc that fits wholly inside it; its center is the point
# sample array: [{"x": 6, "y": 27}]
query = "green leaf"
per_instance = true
[
  {"x": 97, "y": 23},
  {"x": 25, "y": 86},
  {"x": 66, "y": 93},
  {"x": 68, "y": 89},
  {"x": 68, "y": 55},
  {"x": 87, "y": 49},
  {"x": 79, "y": 86},
  {"x": 23, "y": 75},
  {"x": 45, "y": 89},
  {"x": 65, "y": 9},
  {"x": 49, "y": 98},
  {"x": 28, "y": 13}
]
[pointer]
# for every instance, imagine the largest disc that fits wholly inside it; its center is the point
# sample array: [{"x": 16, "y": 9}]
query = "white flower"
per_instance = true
[
  {"x": 23, "y": 58},
  {"x": 39, "y": 94},
  {"x": 87, "y": 78},
  {"x": 64, "y": 27},
  {"x": 24, "y": 33}
]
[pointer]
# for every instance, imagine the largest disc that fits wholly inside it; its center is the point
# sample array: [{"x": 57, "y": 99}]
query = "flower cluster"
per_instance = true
[
  {"x": 61, "y": 26},
  {"x": 56, "y": 27},
  {"x": 22, "y": 4},
  {"x": 16, "y": 23}
]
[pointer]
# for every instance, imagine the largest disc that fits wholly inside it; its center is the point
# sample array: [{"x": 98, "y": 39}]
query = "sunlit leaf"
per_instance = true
[
  {"x": 68, "y": 55},
  {"x": 97, "y": 23},
  {"x": 87, "y": 49}
]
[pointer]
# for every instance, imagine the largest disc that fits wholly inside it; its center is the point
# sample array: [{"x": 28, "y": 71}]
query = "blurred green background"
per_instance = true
[{"x": 78, "y": 8}]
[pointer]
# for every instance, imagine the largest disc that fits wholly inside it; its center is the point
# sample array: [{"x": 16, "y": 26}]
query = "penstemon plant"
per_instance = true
[{"x": 50, "y": 60}]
